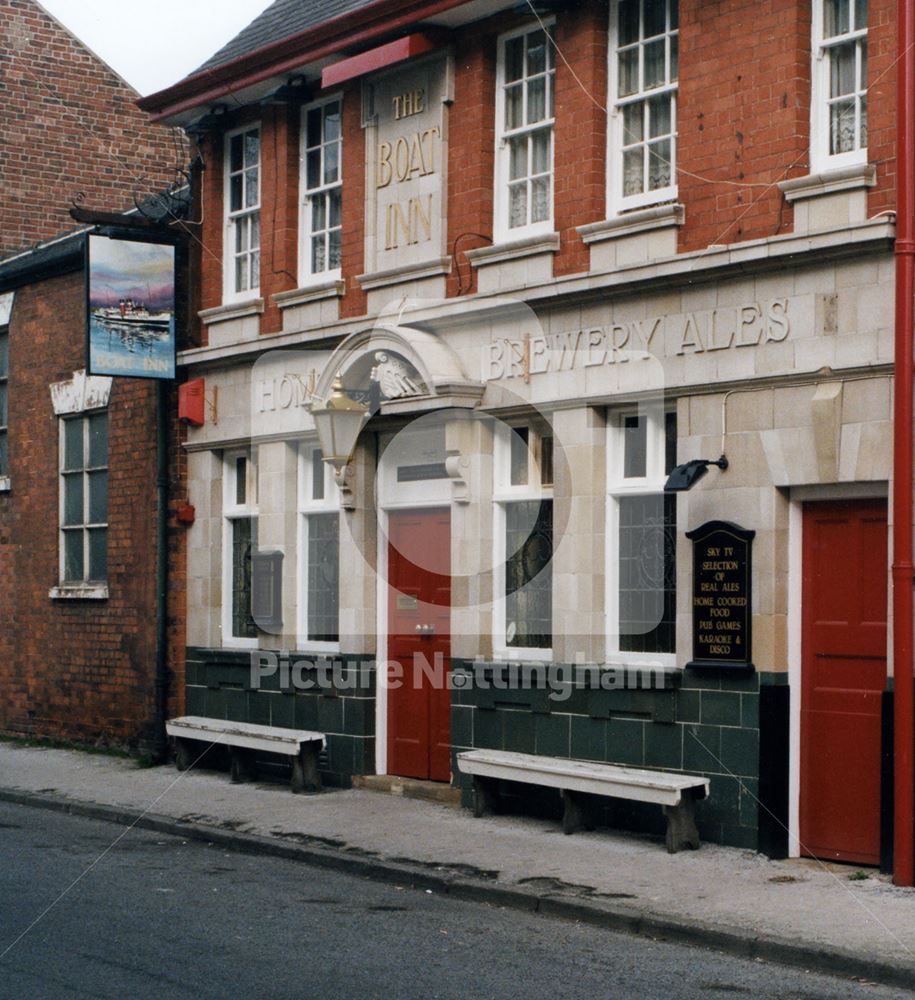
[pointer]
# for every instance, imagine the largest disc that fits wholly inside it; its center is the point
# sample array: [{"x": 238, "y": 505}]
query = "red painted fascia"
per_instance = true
[
  {"x": 354, "y": 28},
  {"x": 394, "y": 52}
]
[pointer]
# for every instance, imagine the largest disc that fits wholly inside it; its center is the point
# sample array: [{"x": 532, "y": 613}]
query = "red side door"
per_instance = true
[
  {"x": 419, "y": 643},
  {"x": 843, "y": 673}
]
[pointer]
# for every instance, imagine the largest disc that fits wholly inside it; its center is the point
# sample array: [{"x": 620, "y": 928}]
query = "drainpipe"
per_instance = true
[
  {"x": 904, "y": 718},
  {"x": 160, "y": 743}
]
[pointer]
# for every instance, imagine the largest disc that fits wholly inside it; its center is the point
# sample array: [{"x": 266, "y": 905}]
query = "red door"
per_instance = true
[
  {"x": 419, "y": 642},
  {"x": 843, "y": 672}
]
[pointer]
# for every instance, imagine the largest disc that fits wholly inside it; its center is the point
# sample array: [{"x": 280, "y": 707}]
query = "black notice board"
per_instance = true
[{"x": 722, "y": 596}]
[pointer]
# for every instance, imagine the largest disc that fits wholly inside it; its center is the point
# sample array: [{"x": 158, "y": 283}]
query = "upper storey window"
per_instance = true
[
  {"x": 243, "y": 217},
  {"x": 839, "y": 126},
  {"x": 644, "y": 47},
  {"x": 524, "y": 125},
  {"x": 321, "y": 183}
]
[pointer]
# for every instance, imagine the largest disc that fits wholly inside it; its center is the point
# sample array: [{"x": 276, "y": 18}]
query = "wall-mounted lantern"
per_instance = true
[
  {"x": 684, "y": 477},
  {"x": 338, "y": 423}
]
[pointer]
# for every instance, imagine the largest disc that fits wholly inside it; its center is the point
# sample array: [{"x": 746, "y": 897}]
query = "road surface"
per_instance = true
[{"x": 161, "y": 917}]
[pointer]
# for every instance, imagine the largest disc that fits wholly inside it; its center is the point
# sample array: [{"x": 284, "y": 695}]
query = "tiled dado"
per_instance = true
[
  {"x": 697, "y": 722},
  {"x": 221, "y": 685}
]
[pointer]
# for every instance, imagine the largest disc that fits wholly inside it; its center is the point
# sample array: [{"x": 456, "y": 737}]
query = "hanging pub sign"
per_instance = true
[
  {"x": 130, "y": 308},
  {"x": 722, "y": 569}
]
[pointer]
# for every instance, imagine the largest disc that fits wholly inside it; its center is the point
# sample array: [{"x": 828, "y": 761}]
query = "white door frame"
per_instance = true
[{"x": 432, "y": 495}]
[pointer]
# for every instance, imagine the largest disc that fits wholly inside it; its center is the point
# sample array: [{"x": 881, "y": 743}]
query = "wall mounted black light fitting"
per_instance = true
[{"x": 684, "y": 477}]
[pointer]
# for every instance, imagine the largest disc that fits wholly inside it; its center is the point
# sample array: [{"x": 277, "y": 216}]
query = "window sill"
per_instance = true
[
  {"x": 523, "y": 654},
  {"x": 317, "y": 650},
  {"x": 637, "y": 221},
  {"x": 237, "y": 643},
  {"x": 79, "y": 592},
  {"x": 230, "y": 311},
  {"x": 315, "y": 292},
  {"x": 5, "y": 484},
  {"x": 643, "y": 662},
  {"x": 862, "y": 175},
  {"x": 498, "y": 253},
  {"x": 431, "y": 268}
]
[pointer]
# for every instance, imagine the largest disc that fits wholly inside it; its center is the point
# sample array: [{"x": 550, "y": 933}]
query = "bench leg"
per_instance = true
[
  {"x": 577, "y": 813},
  {"x": 485, "y": 796},
  {"x": 305, "y": 776},
  {"x": 185, "y": 754},
  {"x": 241, "y": 765},
  {"x": 681, "y": 825}
]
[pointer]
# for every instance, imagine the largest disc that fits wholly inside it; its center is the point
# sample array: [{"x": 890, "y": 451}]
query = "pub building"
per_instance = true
[{"x": 551, "y": 347}]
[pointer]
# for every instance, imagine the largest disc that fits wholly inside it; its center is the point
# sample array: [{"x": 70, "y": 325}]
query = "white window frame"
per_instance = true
[
  {"x": 505, "y": 493},
  {"x": 618, "y": 487},
  {"x": 232, "y": 219},
  {"x": 502, "y": 232},
  {"x": 85, "y": 526},
  {"x": 232, "y": 511},
  {"x": 307, "y": 507},
  {"x": 617, "y": 201},
  {"x": 820, "y": 157},
  {"x": 307, "y": 275}
]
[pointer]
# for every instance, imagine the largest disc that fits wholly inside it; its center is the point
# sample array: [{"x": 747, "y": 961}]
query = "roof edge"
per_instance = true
[
  {"x": 46, "y": 260},
  {"x": 322, "y": 40}
]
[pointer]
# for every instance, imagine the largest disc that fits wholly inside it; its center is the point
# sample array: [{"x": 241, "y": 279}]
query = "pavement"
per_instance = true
[{"x": 829, "y": 918}]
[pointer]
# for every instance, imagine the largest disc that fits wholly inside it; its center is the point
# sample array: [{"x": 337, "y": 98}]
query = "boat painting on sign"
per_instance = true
[{"x": 131, "y": 308}]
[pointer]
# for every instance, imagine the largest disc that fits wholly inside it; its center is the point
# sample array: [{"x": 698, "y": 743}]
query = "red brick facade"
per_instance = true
[
  {"x": 75, "y": 669},
  {"x": 743, "y": 119},
  {"x": 69, "y": 127},
  {"x": 68, "y": 668}
]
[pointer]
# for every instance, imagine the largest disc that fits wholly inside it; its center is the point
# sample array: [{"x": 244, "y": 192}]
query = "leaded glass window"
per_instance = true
[
  {"x": 528, "y": 574},
  {"x": 523, "y": 487},
  {"x": 319, "y": 589},
  {"x": 240, "y": 513},
  {"x": 642, "y": 532},
  {"x": 323, "y": 577},
  {"x": 244, "y": 543}
]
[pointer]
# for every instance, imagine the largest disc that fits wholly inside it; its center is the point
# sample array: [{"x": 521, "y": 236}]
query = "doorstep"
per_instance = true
[{"x": 409, "y": 788}]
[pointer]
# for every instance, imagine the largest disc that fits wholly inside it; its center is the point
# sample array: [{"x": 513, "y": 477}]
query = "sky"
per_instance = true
[{"x": 153, "y": 45}]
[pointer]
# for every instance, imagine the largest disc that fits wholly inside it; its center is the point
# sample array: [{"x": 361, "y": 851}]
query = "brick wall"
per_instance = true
[
  {"x": 69, "y": 126},
  {"x": 471, "y": 155},
  {"x": 279, "y": 208},
  {"x": 581, "y": 132},
  {"x": 881, "y": 104},
  {"x": 210, "y": 249},
  {"x": 79, "y": 670},
  {"x": 352, "y": 247},
  {"x": 744, "y": 117}
]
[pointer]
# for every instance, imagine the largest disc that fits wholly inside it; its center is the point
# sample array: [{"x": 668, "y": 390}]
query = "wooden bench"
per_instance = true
[
  {"x": 675, "y": 793},
  {"x": 244, "y": 740}
]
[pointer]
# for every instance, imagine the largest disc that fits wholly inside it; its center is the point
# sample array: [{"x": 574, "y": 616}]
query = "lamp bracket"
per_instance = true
[{"x": 343, "y": 477}]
